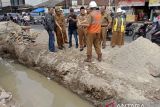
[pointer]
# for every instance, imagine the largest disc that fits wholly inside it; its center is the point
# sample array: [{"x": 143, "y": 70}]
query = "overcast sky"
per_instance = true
[{"x": 34, "y": 2}]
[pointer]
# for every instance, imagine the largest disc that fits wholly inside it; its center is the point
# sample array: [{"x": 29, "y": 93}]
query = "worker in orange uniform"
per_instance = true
[
  {"x": 93, "y": 32},
  {"x": 82, "y": 30},
  {"x": 118, "y": 29},
  {"x": 106, "y": 22}
]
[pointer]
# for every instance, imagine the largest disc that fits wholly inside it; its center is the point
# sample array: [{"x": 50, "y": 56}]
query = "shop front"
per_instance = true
[
  {"x": 137, "y": 9},
  {"x": 155, "y": 8}
]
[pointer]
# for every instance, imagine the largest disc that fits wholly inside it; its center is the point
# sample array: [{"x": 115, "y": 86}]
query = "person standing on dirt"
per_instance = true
[
  {"x": 82, "y": 30},
  {"x": 49, "y": 25},
  {"x": 119, "y": 24},
  {"x": 72, "y": 29},
  {"x": 60, "y": 22},
  {"x": 93, "y": 32},
  {"x": 106, "y": 22},
  {"x": 60, "y": 18}
]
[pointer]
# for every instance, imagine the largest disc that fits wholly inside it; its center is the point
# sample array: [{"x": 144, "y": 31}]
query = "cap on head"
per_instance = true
[
  {"x": 93, "y": 4},
  {"x": 119, "y": 10}
]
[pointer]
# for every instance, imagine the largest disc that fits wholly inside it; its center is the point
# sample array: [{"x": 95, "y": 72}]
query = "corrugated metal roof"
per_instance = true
[
  {"x": 49, "y": 3},
  {"x": 99, "y": 2}
]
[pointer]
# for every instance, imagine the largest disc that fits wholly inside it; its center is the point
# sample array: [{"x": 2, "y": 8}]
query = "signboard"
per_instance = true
[
  {"x": 74, "y": 3},
  {"x": 6, "y": 3},
  {"x": 132, "y": 3},
  {"x": 130, "y": 18},
  {"x": 154, "y": 2},
  {"x": 138, "y": 2}
]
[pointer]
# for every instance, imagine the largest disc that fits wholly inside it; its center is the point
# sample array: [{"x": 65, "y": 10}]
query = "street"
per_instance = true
[{"x": 40, "y": 29}]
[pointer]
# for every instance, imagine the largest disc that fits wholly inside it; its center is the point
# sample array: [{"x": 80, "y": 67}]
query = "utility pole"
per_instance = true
[
  {"x": 116, "y": 3},
  {"x": 1, "y": 3},
  {"x": 66, "y": 4},
  {"x": 82, "y": 2},
  {"x": 109, "y": 4}
]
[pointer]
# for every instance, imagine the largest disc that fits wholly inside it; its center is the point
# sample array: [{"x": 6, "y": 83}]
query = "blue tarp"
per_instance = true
[{"x": 38, "y": 10}]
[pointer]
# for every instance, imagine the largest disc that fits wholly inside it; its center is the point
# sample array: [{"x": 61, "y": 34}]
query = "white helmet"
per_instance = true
[
  {"x": 92, "y": 4},
  {"x": 119, "y": 10}
]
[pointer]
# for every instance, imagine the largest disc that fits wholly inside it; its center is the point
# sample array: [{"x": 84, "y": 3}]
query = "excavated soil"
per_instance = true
[{"x": 126, "y": 75}]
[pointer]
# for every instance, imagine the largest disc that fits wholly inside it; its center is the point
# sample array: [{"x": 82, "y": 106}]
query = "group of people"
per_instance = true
[
  {"x": 89, "y": 29},
  {"x": 17, "y": 18}
]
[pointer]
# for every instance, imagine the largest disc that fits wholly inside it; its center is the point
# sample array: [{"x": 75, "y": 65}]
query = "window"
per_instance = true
[{"x": 17, "y": 2}]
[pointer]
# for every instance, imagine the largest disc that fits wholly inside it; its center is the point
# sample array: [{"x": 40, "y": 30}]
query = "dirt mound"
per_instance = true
[{"x": 136, "y": 55}]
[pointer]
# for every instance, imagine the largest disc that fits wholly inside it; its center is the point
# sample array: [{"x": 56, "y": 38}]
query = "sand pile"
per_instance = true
[{"x": 139, "y": 54}]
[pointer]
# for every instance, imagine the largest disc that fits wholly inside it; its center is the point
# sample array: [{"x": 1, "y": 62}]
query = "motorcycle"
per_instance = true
[
  {"x": 147, "y": 30},
  {"x": 129, "y": 29},
  {"x": 142, "y": 31},
  {"x": 156, "y": 37}
]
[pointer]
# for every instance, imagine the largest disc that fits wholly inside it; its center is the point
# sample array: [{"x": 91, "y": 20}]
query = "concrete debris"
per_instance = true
[
  {"x": 5, "y": 97},
  {"x": 21, "y": 35}
]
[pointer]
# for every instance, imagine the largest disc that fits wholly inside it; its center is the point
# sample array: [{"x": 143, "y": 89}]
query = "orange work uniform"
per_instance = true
[{"x": 93, "y": 33}]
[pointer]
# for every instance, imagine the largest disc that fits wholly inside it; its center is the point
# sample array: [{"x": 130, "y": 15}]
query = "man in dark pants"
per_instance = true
[
  {"x": 49, "y": 24},
  {"x": 72, "y": 29}
]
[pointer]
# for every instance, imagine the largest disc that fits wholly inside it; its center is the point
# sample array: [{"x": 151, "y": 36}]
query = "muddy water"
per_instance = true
[{"x": 31, "y": 89}]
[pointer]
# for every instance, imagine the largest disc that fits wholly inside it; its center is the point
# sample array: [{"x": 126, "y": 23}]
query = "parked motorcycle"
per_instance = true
[
  {"x": 142, "y": 31},
  {"x": 129, "y": 29},
  {"x": 156, "y": 37},
  {"x": 148, "y": 29}
]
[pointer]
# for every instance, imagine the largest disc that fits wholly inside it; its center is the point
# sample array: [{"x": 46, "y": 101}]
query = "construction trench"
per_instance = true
[{"x": 127, "y": 75}]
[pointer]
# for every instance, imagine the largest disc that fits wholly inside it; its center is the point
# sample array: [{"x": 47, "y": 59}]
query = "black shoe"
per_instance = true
[
  {"x": 54, "y": 50},
  {"x": 69, "y": 46},
  {"x": 112, "y": 46},
  {"x": 103, "y": 47},
  {"x": 76, "y": 46},
  {"x": 66, "y": 42},
  {"x": 63, "y": 46},
  {"x": 81, "y": 49},
  {"x": 60, "y": 48}
]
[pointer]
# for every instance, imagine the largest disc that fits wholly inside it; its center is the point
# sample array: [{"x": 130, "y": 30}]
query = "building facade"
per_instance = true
[
  {"x": 7, "y": 6},
  {"x": 17, "y": 2},
  {"x": 5, "y": 3}
]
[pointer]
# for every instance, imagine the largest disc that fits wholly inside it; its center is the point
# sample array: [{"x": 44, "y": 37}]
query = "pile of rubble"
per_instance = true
[
  {"x": 20, "y": 34},
  {"x": 5, "y": 97}
]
